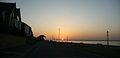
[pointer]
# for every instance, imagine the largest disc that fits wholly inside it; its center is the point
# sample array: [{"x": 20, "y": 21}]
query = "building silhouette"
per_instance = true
[{"x": 10, "y": 21}]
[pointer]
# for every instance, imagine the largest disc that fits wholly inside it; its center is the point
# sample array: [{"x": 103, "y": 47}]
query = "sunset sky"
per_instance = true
[{"x": 77, "y": 19}]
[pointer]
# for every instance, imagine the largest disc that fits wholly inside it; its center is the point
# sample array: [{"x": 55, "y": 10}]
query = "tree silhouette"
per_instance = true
[{"x": 41, "y": 37}]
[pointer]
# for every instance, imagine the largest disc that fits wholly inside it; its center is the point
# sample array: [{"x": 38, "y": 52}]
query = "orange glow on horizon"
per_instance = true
[
  {"x": 67, "y": 33},
  {"x": 62, "y": 39}
]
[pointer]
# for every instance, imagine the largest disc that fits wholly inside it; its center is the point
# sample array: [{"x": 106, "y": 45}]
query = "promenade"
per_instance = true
[{"x": 46, "y": 49}]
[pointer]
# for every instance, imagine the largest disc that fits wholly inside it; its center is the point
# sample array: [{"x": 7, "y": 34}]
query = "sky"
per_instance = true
[{"x": 77, "y": 19}]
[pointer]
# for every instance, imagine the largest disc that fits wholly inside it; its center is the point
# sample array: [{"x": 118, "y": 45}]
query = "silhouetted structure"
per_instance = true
[
  {"x": 59, "y": 34},
  {"x": 41, "y": 37},
  {"x": 26, "y": 30},
  {"x": 67, "y": 38},
  {"x": 107, "y": 38},
  {"x": 10, "y": 20}
]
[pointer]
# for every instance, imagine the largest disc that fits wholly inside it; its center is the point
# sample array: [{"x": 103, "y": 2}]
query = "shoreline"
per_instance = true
[{"x": 91, "y": 42}]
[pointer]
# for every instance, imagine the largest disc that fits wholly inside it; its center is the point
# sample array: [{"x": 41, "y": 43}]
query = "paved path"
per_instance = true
[
  {"x": 16, "y": 52},
  {"x": 42, "y": 50},
  {"x": 46, "y": 50}
]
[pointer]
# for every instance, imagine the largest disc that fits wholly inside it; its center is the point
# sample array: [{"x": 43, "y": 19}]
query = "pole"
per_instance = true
[
  {"x": 107, "y": 38},
  {"x": 52, "y": 38},
  {"x": 59, "y": 34},
  {"x": 67, "y": 38}
]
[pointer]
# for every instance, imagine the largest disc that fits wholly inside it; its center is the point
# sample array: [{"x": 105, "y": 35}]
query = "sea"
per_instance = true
[{"x": 103, "y": 42}]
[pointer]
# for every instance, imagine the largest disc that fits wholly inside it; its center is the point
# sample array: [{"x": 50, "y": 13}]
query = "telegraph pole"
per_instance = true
[
  {"x": 52, "y": 37},
  {"x": 67, "y": 38},
  {"x": 107, "y": 38},
  {"x": 59, "y": 34}
]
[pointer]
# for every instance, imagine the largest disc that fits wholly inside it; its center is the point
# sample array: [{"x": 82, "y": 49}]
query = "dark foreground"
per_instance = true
[{"x": 50, "y": 49}]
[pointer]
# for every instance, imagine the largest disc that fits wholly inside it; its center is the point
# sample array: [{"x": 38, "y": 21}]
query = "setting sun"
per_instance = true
[{"x": 62, "y": 39}]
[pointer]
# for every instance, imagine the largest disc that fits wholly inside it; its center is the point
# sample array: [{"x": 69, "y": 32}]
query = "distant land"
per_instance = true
[
  {"x": 88, "y": 40},
  {"x": 94, "y": 40}
]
